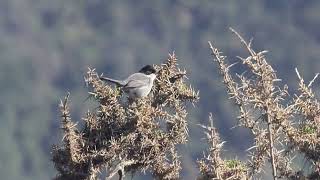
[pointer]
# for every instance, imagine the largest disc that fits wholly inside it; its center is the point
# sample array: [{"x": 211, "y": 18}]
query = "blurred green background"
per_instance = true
[{"x": 46, "y": 47}]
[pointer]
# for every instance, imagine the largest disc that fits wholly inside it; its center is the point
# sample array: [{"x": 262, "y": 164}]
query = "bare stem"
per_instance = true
[{"x": 274, "y": 170}]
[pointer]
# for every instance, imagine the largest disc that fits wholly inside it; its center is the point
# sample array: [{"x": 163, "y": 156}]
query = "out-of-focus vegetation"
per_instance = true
[{"x": 45, "y": 46}]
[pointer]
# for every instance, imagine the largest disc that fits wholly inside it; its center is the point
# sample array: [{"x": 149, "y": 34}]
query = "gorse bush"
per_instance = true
[
  {"x": 127, "y": 137},
  {"x": 122, "y": 137},
  {"x": 283, "y": 126}
]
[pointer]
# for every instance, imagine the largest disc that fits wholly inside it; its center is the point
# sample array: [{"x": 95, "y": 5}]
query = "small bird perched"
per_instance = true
[{"x": 137, "y": 85}]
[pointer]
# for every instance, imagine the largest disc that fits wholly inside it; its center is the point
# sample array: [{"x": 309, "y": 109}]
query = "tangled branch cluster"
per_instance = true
[
  {"x": 127, "y": 137},
  {"x": 283, "y": 127}
]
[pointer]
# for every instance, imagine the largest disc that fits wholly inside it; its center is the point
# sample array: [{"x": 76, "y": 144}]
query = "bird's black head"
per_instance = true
[{"x": 148, "y": 69}]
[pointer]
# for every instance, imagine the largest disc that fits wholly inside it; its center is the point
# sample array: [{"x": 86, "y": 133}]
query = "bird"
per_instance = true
[{"x": 137, "y": 85}]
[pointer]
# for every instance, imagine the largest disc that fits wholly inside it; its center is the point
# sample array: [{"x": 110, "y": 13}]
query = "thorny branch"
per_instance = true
[{"x": 281, "y": 127}]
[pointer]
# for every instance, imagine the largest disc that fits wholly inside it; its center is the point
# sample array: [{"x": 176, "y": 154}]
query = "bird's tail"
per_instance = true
[{"x": 117, "y": 82}]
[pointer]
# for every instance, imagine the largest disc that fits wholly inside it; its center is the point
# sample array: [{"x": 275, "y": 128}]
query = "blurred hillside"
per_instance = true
[{"x": 46, "y": 46}]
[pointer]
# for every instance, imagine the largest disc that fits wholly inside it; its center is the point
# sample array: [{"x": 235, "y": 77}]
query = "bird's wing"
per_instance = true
[
  {"x": 134, "y": 84},
  {"x": 137, "y": 80}
]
